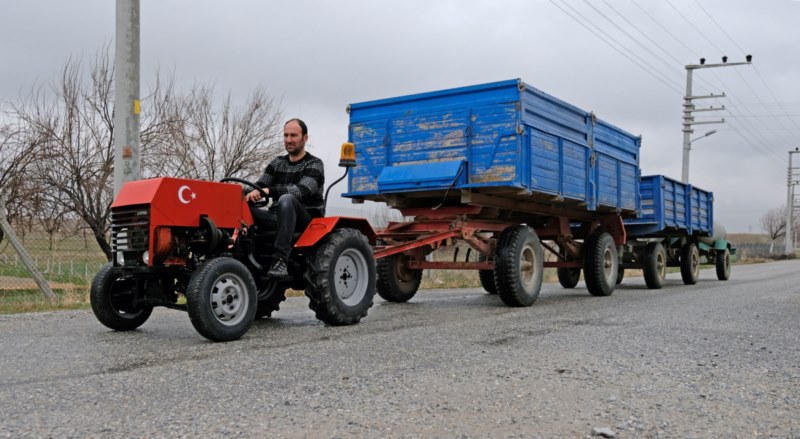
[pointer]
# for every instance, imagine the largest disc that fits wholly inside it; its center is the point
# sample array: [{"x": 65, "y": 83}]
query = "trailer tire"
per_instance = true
[
  {"x": 620, "y": 275},
  {"x": 690, "y": 264},
  {"x": 341, "y": 278},
  {"x": 568, "y": 277},
  {"x": 600, "y": 264},
  {"x": 222, "y": 298},
  {"x": 112, "y": 301},
  {"x": 397, "y": 282},
  {"x": 487, "y": 277},
  {"x": 519, "y": 266},
  {"x": 654, "y": 265},
  {"x": 723, "y": 264}
]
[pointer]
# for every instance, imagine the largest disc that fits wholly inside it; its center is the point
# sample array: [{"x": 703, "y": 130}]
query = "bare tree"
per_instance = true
[
  {"x": 16, "y": 157},
  {"x": 71, "y": 124},
  {"x": 774, "y": 224},
  {"x": 221, "y": 141}
]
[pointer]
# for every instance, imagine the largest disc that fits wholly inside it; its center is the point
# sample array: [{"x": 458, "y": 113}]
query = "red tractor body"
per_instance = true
[{"x": 196, "y": 239}]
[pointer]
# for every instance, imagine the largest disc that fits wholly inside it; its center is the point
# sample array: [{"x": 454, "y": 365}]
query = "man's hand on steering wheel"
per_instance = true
[{"x": 258, "y": 197}]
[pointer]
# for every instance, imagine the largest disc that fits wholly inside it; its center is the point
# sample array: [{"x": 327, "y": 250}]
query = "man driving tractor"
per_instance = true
[{"x": 295, "y": 183}]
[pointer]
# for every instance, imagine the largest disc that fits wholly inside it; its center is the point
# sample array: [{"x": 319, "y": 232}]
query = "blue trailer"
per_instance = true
[
  {"x": 675, "y": 228},
  {"x": 505, "y": 168}
]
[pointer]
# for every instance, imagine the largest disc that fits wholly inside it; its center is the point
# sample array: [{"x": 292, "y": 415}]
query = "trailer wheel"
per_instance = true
[
  {"x": 221, "y": 299},
  {"x": 112, "y": 300},
  {"x": 397, "y": 282},
  {"x": 341, "y": 278},
  {"x": 723, "y": 264},
  {"x": 568, "y": 277},
  {"x": 690, "y": 264},
  {"x": 620, "y": 275},
  {"x": 519, "y": 266},
  {"x": 270, "y": 296},
  {"x": 487, "y": 277},
  {"x": 654, "y": 265},
  {"x": 600, "y": 264}
]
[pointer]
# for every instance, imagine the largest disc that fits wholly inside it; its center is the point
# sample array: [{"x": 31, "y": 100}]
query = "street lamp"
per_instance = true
[{"x": 688, "y": 108}]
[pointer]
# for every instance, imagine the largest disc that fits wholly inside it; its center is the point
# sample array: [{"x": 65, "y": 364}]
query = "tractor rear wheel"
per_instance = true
[
  {"x": 519, "y": 266},
  {"x": 396, "y": 282},
  {"x": 113, "y": 301},
  {"x": 221, "y": 299},
  {"x": 341, "y": 278}
]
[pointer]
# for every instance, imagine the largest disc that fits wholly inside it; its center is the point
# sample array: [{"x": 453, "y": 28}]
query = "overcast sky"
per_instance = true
[{"x": 318, "y": 56}]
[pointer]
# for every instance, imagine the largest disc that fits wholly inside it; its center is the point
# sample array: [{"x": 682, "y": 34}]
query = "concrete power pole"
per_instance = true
[
  {"x": 127, "y": 163},
  {"x": 689, "y": 108},
  {"x": 792, "y": 179}
]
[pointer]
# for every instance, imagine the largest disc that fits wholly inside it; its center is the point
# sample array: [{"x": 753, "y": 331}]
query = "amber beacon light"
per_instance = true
[{"x": 347, "y": 159}]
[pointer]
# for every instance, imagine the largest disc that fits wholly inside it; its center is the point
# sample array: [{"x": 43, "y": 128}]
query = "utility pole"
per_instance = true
[
  {"x": 127, "y": 163},
  {"x": 689, "y": 108},
  {"x": 792, "y": 179}
]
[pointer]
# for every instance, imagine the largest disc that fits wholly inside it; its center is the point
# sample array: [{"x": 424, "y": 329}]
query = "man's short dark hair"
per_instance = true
[{"x": 302, "y": 124}]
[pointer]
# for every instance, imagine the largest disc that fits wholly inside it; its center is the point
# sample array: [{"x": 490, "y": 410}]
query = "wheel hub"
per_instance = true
[
  {"x": 350, "y": 277},
  {"x": 229, "y": 299}
]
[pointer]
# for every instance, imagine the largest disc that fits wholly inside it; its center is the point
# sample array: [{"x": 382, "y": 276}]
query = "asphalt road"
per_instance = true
[{"x": 718, "y": 359}]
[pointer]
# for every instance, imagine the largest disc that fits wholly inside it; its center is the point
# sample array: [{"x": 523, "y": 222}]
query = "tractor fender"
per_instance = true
[{"x": 319, "y": 228}]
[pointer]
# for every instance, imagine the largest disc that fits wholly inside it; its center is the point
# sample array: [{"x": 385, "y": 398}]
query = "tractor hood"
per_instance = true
[{"x": 181, "y": 202}]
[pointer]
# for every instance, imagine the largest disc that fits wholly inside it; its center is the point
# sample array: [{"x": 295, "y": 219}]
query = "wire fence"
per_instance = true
[{"x": 66, "y": 261}]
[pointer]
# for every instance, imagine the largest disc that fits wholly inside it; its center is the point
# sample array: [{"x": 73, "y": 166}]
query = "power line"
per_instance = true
[
  {"x": 663, "y": 81},
  {"x": 719, "y": 27},
  {"x": 621, "y": 29},
  {"x": 713, "y": 20},
  {"x": 695, "y": 27}
]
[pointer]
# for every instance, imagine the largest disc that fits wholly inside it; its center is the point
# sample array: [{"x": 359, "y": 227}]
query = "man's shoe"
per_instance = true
[{"x": 278, "y": 270}]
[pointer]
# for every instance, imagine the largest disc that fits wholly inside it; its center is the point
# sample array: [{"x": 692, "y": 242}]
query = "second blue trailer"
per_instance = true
[{"x": 675, "y": 227}]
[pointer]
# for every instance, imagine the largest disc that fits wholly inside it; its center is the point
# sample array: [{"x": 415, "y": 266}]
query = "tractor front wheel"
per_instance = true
[
  {"x": 113, "y": 300},
  {"x": 221, "y": 299}
]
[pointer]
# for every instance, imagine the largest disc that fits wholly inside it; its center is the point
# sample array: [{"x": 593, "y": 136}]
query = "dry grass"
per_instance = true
[{"x": 22, "y": 301}]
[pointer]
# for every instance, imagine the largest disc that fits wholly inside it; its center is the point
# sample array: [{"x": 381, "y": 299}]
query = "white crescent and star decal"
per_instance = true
[{"x": 182, "y": 196}]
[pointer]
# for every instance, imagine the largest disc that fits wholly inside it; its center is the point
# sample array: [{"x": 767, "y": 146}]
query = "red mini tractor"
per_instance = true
[{"x": 192, "y": 245}]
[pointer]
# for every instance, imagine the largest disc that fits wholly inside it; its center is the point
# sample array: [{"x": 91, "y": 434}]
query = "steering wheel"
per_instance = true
[{"x": 264, "y": 197}]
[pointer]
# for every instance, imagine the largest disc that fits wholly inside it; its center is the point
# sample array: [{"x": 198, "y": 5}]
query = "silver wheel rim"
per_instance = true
[
  {"x": 661, "y": 266},
  {"x": 350, "y": 277},
  {"x": 608, "y": 265},
  {"x": 229, "y": 299},
  {"x": 527, "y": 266},
  {"x": 695, "y": 262},
  {"x": 727, "y": 263}
]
